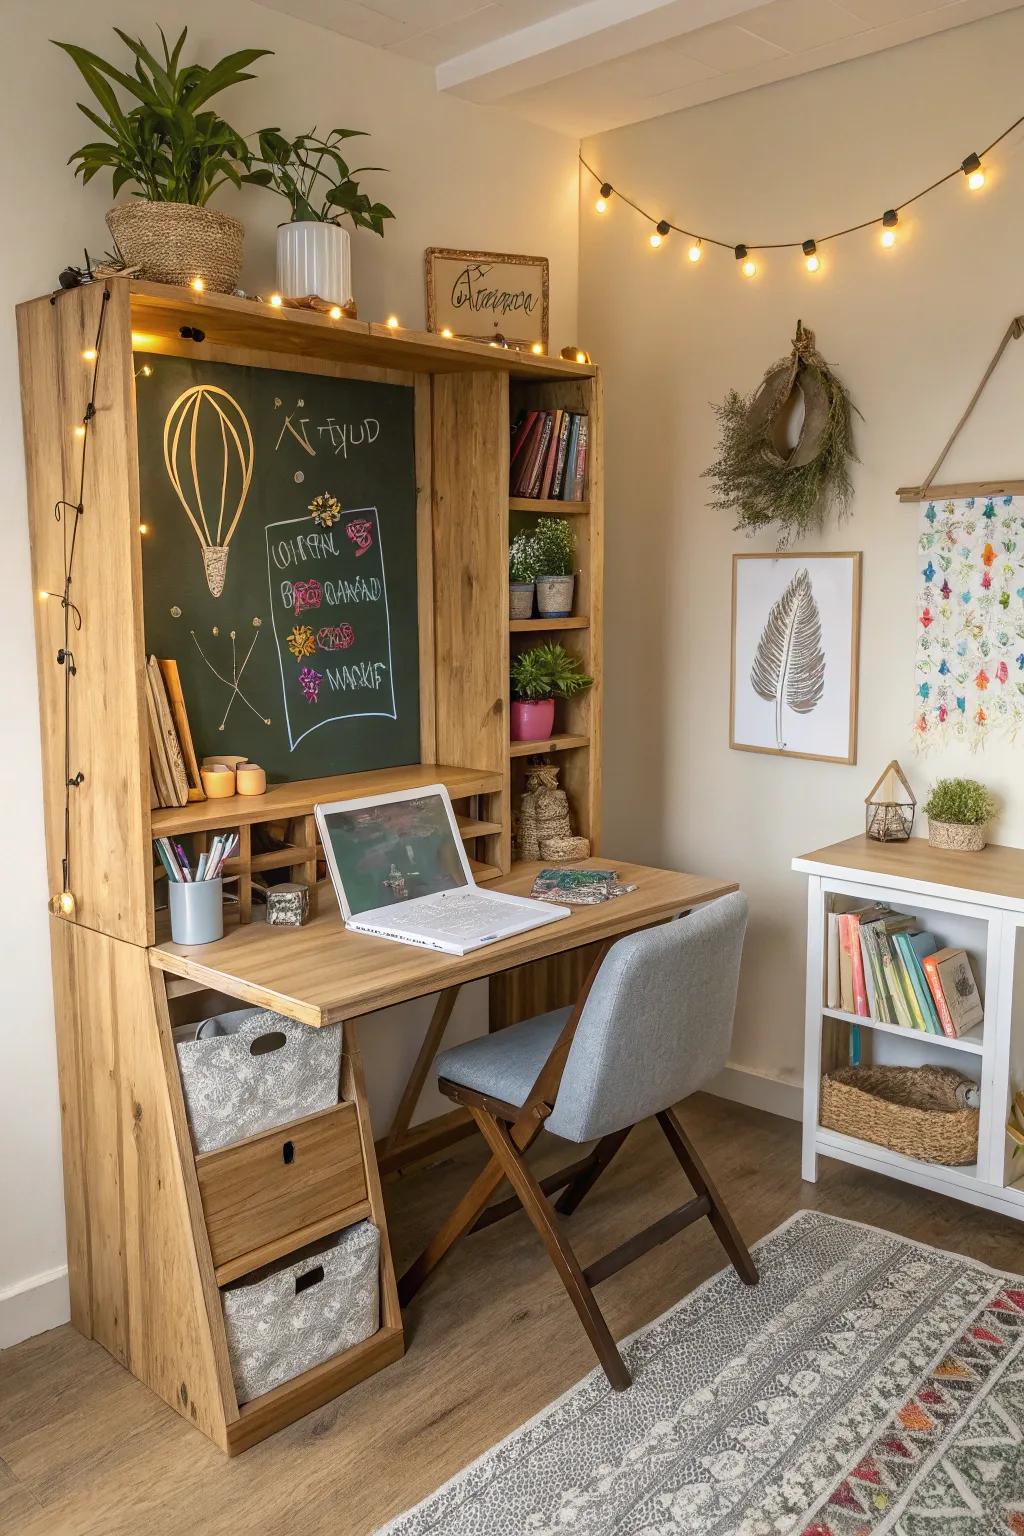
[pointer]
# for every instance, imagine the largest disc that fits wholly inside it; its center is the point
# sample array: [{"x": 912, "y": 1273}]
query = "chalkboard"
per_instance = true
[{"x": 279, "y": 562}]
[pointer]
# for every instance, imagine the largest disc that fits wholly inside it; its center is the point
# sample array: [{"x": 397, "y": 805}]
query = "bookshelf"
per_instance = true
[
  {"x": 970, "y": 901},
  {"x": 142, "y": 1277}
]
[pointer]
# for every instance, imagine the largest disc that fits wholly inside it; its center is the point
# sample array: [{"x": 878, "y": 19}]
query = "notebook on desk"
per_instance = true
[{"x": 400, "y": 871}]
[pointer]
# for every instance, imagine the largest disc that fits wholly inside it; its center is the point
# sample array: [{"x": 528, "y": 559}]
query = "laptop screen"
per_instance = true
[{"x": 395, "y": 851}]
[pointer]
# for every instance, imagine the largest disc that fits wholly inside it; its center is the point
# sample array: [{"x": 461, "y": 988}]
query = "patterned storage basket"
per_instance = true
[
  {"x": 292, "y": 1315},
  {"x": 923, "y": 1112},
  {"x": 246, "y": 1071}
]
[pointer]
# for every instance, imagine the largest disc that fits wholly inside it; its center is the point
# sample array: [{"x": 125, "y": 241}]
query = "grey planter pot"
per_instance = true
[
  {"x": 520, "y": 599},
  {"x": 554, "y": 596}
]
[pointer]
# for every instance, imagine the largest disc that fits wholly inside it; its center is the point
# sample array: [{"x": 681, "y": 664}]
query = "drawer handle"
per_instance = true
[
  {"x": 311, "y": 1277},
  {"x": 273, "y": 1040},
  {"x": 288, "y": 1152}
]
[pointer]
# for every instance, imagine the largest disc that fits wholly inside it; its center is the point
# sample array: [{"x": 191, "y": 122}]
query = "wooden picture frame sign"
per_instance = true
[{"x": 481, "y": 295}]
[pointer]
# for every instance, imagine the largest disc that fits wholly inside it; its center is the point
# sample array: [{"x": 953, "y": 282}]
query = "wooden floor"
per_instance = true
[{"x": 87, "y": 1451}]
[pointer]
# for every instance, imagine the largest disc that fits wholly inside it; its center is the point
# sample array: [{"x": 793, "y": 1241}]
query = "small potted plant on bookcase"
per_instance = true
[
  {"x": 541, "y": 675},
  {"x": 522, "y": 573},
  {"x": 958, "y": 812},
  {"x": 556, "y": 561}
]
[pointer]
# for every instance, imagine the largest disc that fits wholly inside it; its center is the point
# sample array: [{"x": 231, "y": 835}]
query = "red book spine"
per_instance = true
[
  {"x": 522, "y": 432},
  {"x": 931, "y": 971},
  {"x": 533, "y": 489},
  {"x": 860, "y": 995},
  {"x": 521, "y": 470}
]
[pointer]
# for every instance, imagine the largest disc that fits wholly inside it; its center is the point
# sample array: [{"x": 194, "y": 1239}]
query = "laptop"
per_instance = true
[{"x": 400, "y": 871}]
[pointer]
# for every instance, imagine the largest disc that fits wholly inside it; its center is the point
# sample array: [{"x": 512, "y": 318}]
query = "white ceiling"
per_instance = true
[{"x": 583, "y": 66}]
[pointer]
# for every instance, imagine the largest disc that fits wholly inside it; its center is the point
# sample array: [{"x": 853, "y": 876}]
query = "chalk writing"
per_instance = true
[
  {"x": 307, "y": 594},
  {"x": 338, "y": 637},
  {"x": 470, "y": 291},
  {"x": 360, "y": 531}
]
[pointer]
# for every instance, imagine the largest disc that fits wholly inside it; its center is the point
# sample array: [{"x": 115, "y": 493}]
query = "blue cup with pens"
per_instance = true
[{"x": 196, "y": 896}]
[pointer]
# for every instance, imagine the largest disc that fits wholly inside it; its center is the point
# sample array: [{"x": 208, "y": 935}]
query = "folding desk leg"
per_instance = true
[{"x": 418, "y": 1076}]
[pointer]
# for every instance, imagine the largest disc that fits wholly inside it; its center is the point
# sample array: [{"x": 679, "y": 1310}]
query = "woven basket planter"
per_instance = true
[
  {"x": 956, "y": 837},
  {"x": 176, "y": 242},
  {"x": 917, "y": 1111}
]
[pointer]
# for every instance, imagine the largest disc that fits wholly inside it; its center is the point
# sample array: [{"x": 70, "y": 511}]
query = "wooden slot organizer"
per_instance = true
[{"x": 155, "y": 1231}]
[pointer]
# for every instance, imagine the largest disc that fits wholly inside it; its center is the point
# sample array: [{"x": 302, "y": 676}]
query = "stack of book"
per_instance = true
[
  {"x": 882, "y": 965},
  {"x": 548, "y": 456}
]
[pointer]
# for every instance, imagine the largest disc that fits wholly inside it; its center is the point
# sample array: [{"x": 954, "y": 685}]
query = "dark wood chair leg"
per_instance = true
[
  {"x": 725, "y": 1228},
  {"x": 584, "y": 1182},
  {"x": 519, "y": 1175},
  {"x": 459, "y": 1221}
]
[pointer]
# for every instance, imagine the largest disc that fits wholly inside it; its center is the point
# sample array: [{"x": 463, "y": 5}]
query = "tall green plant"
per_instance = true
[
  {"x": 170, "y": 150},
  {"x": 315, "y": 180}
]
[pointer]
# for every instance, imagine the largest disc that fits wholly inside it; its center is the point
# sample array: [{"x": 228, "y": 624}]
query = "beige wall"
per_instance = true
[
  {"x": 910, "y": 331},
  {"x": 461, "y": 175}
]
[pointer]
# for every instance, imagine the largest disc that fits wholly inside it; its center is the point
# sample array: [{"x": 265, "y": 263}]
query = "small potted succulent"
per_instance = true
[
  {"x": 555, "y": 545},
  {"x": 172, "y": 154},
  {"x": 541, "y": 675},
  {"x": 314, "y": 258},
  {"x": 958, "y": 812},
  {"x": 522, "y": 573}
]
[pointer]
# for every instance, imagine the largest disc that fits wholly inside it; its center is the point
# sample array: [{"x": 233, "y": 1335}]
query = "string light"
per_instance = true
[
  {"x": 537, "y": 349},
  {"x": 581, "y": 357},
  {"x": 694, "y": 253},
  {"x": 392, "y": 322},
  {"x": 812, "y": 261},
  {"x": 276, "y": 301},
  {"x": 890, "y": 218},
  {"x": 447, "y": 333},
  {"x": 660, "y": 231},
  {"x": 971, "y": 168},
  {"x": 89, "y": 355},
  {"x": 143, "y": 527},
  {"x": 748, "y": 265},
  {"x": 606, "y": 192},
  {"x": 197, "y": 285},
  {"x": 335, "y": 312}
]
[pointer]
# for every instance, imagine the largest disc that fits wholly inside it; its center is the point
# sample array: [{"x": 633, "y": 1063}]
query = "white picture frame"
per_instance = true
[{"x": 795, "y": 655}]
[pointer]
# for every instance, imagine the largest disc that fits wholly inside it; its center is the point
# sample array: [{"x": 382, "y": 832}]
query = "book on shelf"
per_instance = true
[
  {"x": 174, "y": 771},
  {"x": 548, "y": 455},
  {"x": 954, "y": 991}
]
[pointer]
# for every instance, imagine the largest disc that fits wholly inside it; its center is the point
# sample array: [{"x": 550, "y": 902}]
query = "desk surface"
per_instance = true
[{"x": 321, "y": 973}]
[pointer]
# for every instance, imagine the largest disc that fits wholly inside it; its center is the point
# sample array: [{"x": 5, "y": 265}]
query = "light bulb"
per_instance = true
[
  {"x": 976, "y": 180},
  {"x": 810, "y": 251},
  {"x": 447, "y": 333},
  {"x": 63, "y": 904},
  {"x": 749, "y": 268},
  {"x": 537, "y": 349},
  {"x": 143, "y": 527},
  {"x": 335, "y": 312},
  {"x": 146, "y": 371},
  {"x": 43, "y": 595},
  {"x": 80, "y": 429},
  {"x": 602, "y": 201},
  {"x": 813, "y": 263},
  {"x": 601, "y": 204},
  {"x": 392, "y": 322},
  {"x": 197, "y": 285},
  {"x": 694, "y": 253},
  {"x": 971, "y": 168},
  {"x": 581, "y": 357},
  {"x": 276, "y": 301},
  {"x": 89, "y": 355},
  {"x": 888, "y": 237},
  {"x": 655, "y": 240}
]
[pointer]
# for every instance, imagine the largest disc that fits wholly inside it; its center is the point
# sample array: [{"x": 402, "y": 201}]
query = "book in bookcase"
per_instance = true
[
  {"x": 954, "y": 991},
  {"x": 548, "y": 454}
]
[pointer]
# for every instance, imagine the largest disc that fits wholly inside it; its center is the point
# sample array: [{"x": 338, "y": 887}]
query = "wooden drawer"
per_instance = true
[{"x": 257, "y": 1191}]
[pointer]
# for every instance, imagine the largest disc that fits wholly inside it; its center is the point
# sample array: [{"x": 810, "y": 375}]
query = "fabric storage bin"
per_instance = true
[
  {"x": 296, "y": 1313},
  {"x": 246, "y": 1071}
]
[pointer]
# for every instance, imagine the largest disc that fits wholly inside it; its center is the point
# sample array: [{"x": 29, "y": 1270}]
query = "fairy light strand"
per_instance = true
[{"x": 970, "y": 166}]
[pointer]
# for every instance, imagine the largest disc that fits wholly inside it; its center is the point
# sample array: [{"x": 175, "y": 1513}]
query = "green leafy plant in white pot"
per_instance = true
[
  {"x": 959, "y": 811},
  {"x": 522, "y": 573},
  {"x": 314, "y": 257},
  {"x": 174, "y": 151},
  {"x": 555, "y": 545}
]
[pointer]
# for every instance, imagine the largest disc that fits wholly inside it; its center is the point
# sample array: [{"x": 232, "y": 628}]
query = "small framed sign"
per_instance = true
[{"x": 481, "y": 294}]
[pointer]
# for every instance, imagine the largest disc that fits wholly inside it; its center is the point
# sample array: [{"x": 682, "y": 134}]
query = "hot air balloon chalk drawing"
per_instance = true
[
  {"x": 795, "y": 644},
  {"x": 208, "y": 455}
]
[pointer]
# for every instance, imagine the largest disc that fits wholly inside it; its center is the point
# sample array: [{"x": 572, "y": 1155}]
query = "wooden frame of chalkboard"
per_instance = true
[{"x": 138, "y": 1245}]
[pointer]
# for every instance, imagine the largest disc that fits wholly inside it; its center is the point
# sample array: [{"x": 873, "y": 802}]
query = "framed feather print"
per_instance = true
[{"x": 795, "y": 655}]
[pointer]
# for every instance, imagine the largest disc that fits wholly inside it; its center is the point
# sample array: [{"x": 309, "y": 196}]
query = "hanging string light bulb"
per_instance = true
[
  {"x": 748, "y": 266},
  {"x": 661, "y": 230},
  {"x": 812, "y": 261},
  {"x": 971, "y": 168},
  {"x": 890, "y": 218},
  {"x": 602, "y": 201},
  {"x": 694, "y": 253}
]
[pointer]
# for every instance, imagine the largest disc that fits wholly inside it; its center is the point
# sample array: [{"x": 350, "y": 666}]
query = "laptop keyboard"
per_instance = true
[{"x": 463, "y": 916}]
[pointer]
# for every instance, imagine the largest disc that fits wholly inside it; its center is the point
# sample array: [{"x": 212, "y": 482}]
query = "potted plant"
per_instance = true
[
  {"x": 313, "y": 250},
  {"x": 522, "y": 573},
  {"x": 174, "y": 155},
  {"x": 556, "y": 561},
  {"x": 958, "y": 812},
  {"x": 539, "y": 676}
]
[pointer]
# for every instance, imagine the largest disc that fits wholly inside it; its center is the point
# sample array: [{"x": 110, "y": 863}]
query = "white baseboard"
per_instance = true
[
  {"x": 760, "y": 1090},
  {"x": 33, "y": 1306}
]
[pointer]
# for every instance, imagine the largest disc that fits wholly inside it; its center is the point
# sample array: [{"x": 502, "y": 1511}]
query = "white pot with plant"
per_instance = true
[
  {"x": 173, "y": 154},
  {"x": 522, "y": 574},
  {"x": 314, "y": 259},
  {"x": 555, "y": 546},
  {"x": 959, "y": 811}
]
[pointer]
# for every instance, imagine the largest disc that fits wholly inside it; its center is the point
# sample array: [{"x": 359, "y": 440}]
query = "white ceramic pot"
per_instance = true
[{"x": 314, "y": 260}]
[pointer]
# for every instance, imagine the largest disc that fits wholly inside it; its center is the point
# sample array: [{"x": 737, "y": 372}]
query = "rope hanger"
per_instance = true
[{"x": 926, "y": 489}]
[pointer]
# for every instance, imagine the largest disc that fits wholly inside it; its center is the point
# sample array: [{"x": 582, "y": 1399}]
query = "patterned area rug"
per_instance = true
[{"x": 867, "y": 1385}]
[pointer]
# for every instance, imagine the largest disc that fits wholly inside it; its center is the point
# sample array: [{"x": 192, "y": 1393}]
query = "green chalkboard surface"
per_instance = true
[{"x": 279, "y": 562}]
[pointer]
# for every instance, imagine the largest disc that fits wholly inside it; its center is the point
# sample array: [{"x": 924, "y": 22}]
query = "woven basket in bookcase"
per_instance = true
[{"x": 913, "y": 1110}]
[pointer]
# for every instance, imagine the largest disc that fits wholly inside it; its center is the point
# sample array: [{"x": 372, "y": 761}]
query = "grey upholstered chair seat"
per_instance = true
[{"x": 504, "y": 1065}]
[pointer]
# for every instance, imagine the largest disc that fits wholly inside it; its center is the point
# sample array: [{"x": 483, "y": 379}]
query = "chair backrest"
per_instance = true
[{"x": 657, "y": 1024}]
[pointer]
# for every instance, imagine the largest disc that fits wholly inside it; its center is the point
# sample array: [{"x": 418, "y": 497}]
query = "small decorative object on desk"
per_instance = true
[
  {"x": 578, "y": 887},
  {"x": 890, "y": 803},
  {"x": 545, "y": 826},
  {"x": 288, "y": 905},
  {"x": 958, "y": 812}
]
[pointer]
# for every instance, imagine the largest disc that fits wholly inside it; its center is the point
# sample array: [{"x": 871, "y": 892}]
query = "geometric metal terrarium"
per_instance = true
[{"x": 889, "y": 807}]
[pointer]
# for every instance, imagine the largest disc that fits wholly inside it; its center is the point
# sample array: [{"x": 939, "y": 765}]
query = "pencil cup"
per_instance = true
[{"x": 197, "y": 911}]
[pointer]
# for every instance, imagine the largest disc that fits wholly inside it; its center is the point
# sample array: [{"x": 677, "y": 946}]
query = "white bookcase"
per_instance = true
[{"x": 972, "y": 901}]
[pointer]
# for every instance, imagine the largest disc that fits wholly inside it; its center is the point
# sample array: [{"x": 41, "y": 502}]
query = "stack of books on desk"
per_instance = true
[{"x": 882, "y": 965}]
